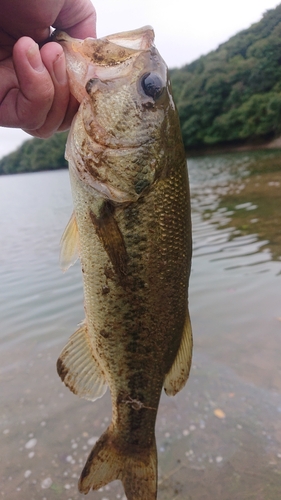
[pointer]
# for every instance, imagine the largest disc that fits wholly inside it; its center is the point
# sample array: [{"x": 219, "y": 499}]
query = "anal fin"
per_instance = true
[
  {"x": 79, "y": 369},
  {"x": 176, "y": 378}
]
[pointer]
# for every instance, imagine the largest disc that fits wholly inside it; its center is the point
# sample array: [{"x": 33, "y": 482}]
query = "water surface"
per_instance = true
[{"x": 220, "y": 438}]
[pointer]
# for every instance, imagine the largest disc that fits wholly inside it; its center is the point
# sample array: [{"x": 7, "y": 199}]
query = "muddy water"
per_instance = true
[{"x": 220, "y": 438}]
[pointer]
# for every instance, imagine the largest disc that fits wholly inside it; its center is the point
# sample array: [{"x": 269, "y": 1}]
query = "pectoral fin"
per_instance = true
[
  {"x": 79, "y": 369},
  {"x": 69, "y": 244},
  {"x": 111, "y": 237},
  {"x": 176, "y": 379}
]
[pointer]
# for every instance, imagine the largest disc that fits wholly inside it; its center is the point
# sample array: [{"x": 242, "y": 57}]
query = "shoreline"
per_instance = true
[
  {"x": 224, "y": 149},
  {"x": 192, "y": 152}
]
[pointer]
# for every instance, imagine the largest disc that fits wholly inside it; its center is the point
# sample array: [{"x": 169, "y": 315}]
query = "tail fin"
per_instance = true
[{"x": 111, "y": 459}]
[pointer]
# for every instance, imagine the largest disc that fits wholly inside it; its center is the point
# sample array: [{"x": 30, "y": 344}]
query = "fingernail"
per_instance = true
[
  {"x": 34, "y": 57},
  {"x": 60, "y": 69}
]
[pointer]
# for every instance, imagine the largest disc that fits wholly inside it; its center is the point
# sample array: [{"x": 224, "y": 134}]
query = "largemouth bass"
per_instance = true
[{"x": 132, "y": 230}]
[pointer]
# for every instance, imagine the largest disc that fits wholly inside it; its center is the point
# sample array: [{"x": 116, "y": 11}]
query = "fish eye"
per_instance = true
[{"x": 152, "y": 85}]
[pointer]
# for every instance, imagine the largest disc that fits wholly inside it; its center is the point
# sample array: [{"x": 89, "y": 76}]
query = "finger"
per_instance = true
[
  {"x": 72, "y": 108},
  {"x": 31, "y": 102},
  {"x": 53, "y": 59},
  {"x": 77, "y": 18}
]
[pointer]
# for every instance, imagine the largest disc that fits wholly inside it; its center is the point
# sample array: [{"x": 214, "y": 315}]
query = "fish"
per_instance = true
[{"x": 131, "y": 229}]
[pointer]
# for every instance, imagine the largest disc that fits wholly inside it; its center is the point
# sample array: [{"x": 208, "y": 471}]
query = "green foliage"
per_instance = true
[
  {"x": 234, "y": 93},
  {"x": 36, "y": 154}
]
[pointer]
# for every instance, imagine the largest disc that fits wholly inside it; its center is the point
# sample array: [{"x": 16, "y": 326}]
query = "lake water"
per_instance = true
[{"x": 220, "y": 438}]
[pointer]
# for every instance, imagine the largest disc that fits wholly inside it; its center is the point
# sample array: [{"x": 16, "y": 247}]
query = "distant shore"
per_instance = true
[
  {"x": 233, "y": 148},
  {"x": 57, "y": 161}
]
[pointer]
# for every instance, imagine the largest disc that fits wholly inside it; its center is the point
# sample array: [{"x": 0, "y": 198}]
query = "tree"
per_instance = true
[{"x": 234, "y": 92}]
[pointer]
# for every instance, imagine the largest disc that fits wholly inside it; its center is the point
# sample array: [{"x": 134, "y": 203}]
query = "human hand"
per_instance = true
[{"x": 34, "y": 90}]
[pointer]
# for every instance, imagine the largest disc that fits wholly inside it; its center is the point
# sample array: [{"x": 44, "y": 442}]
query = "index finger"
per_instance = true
[{"x": 27, "y": 103}]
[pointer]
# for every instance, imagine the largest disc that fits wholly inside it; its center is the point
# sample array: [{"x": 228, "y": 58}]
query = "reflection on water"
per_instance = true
[
  {"x": 220, "y": 438},
  {"x": 242, "y": 191}
]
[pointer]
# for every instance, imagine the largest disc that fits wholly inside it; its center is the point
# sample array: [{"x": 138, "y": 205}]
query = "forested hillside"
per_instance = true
[
  {"x": 36, "y": 154},
  {"x": 233, "y": 94},
  {"x": 229, "y": 97}
]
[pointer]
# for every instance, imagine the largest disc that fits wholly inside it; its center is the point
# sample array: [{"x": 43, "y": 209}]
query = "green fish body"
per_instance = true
[{"x": 131, "y": 228}]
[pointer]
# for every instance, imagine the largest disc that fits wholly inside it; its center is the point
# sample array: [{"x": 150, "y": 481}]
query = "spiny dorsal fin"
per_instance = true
[
  {"x": 176, "y": 379},
  {"x": 69, "y": 244},
  {"x": 79, "y": 369}
]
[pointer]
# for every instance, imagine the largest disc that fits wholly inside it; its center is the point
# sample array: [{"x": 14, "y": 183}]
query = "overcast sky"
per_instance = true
[{"x": 184, "y": 30}]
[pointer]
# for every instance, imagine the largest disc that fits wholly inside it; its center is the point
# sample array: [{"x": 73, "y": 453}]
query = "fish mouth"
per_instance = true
[
  {"x": 103, "y": 58},
  {"x": 59, "y": 36},
  {"x": 139, "y": 39}
]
